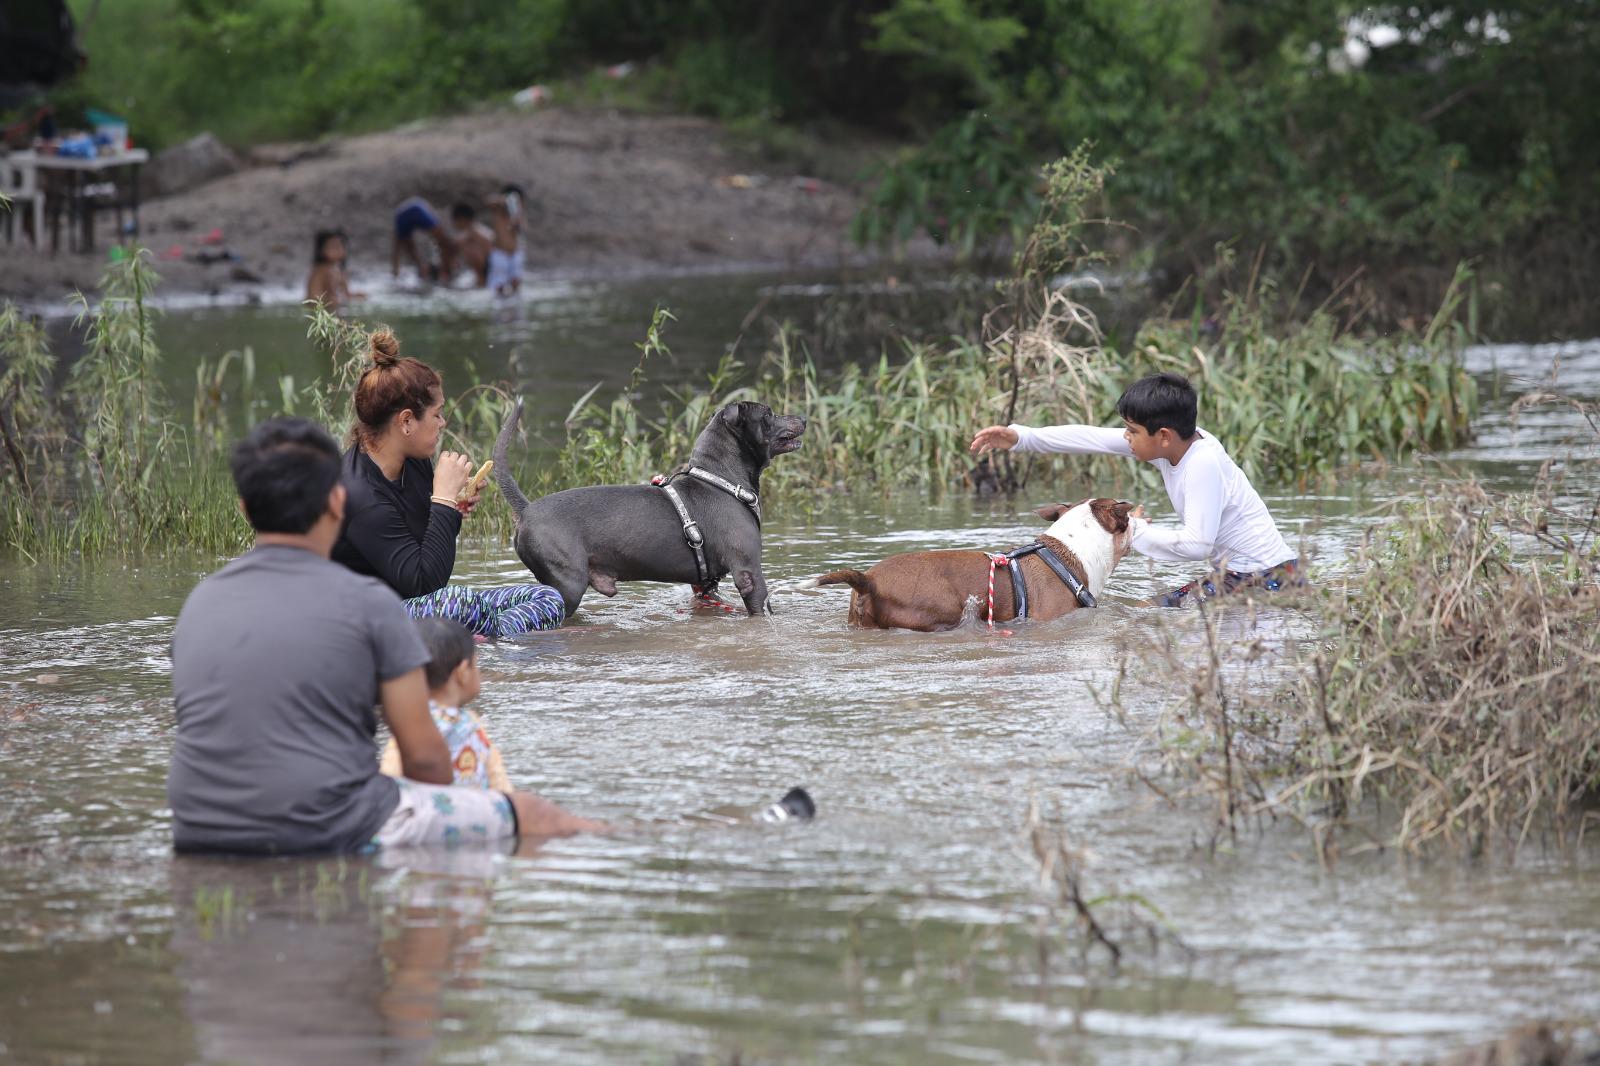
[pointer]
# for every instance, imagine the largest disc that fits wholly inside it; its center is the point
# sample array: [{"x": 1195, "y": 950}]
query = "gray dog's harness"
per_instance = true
[
  {"x": 1019, "y": 590},
  {"x": 705, "y": 580}
]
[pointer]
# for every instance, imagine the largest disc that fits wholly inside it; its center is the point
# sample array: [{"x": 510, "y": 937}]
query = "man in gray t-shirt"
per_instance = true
[{"x": 278, "y": 662}]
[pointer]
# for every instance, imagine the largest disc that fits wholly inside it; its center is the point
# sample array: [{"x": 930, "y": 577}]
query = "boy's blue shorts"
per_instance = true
[
  {"x": 1284, "y": 575},
  {"x": 413, "y": 215}
]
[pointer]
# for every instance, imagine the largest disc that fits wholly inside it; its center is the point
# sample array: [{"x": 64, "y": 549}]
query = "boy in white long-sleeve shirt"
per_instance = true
[{"x": 1224, "y": 521}]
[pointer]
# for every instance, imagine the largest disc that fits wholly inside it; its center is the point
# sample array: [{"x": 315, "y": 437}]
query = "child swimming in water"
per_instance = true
[
  {"x": 328, "y": 281},
  {"x": 505, "y": 253}
]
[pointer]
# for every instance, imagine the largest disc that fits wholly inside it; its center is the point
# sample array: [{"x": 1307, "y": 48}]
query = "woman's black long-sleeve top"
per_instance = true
[{"x": 393, "y": 531}]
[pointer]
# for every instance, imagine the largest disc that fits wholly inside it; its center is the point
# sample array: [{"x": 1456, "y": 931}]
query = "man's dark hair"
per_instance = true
[
  {"x": 284, "y": 470},
  {"x": 1161, "y": 401},
  {"x": 449, "y": 645},
  {"x": 463, "y": 212}
]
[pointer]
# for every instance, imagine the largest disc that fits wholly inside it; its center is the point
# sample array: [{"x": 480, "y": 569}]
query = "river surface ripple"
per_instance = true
[{"x": 906, "y": 924}]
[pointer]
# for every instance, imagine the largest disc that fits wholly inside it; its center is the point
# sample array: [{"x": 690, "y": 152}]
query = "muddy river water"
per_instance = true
[{"x": 906, "y": 924}]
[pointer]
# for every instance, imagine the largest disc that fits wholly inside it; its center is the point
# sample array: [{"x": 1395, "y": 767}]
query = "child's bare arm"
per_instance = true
[
  {"x": 317, "y": 284},
  {"x": 389, "y": 764},
  {"x": 499, "y": 780}
]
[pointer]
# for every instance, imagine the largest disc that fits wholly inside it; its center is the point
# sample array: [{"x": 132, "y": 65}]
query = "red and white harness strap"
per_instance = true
[{"x": 994, "y": 561}]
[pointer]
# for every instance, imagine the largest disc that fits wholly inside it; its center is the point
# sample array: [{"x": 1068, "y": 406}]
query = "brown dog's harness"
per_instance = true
[
  {"x": 705, "y": 580},
  {"x": 1019, "y": 588}
]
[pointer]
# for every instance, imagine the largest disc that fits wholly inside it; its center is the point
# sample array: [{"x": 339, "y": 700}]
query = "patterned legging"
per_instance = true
[{"x": 497, "y": 612}]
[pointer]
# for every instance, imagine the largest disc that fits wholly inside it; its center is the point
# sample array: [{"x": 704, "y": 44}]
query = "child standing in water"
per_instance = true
[
  {"x": 453, "y": 682},
  {"x": 415, "y": 216},
  {"x": 1225, "y": 523},
  {"x": 473, "y": 241},
  {"x": 328, "y": 281},
  {"x": 505, "y": 253}
]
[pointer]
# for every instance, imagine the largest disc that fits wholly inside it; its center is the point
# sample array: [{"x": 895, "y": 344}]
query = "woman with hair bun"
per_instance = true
[{"x": 403, "y": 515}]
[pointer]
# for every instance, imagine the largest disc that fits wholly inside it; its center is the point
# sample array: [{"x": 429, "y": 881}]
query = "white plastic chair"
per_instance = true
[{"x": 20, "y": 183}]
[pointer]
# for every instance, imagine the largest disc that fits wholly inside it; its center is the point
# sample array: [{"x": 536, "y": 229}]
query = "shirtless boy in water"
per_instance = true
[
  {"x": 328, "y": 281},
  {"x": 415, "y": 216},
  {"x": 473, "y": 242},
  {"x": 505, "y": 253}
]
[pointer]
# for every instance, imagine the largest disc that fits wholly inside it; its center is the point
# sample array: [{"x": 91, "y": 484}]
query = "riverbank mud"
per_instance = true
[{"x": 609, "y": 194}]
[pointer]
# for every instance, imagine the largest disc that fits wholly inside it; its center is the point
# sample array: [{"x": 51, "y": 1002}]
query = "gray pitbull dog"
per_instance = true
[{"x": 594, "y": 537}]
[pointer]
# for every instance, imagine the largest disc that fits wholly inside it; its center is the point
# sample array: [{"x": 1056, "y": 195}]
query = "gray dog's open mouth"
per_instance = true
[{"x": 787, "y": 435}]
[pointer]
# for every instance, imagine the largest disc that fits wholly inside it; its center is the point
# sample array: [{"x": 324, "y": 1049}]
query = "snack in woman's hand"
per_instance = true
[{"x": 475, "y": 482}]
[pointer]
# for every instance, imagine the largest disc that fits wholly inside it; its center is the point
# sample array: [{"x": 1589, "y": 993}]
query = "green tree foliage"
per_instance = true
[
  {"x": 1314, "y": 126},
  {"x": 1355, "y": 133}
]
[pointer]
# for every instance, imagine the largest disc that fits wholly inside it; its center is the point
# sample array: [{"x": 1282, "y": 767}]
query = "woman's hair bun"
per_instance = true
[{"x": 384, "y": 347}]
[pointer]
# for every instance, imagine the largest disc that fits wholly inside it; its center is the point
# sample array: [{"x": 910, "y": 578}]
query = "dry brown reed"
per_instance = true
[{"x": 1451, "y": 695}]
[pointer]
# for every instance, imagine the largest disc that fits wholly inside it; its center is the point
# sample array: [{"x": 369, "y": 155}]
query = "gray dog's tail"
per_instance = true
[
  {"x": 502, "y": 469},
  {"x": 854, "y": 578}
]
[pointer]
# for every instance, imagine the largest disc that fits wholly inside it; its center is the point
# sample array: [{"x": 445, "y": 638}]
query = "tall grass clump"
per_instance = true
[
  {"x": 1451, "y": 695},
  {"x": 100, "y": 465},
  {"x": 1296, "y": 398}
]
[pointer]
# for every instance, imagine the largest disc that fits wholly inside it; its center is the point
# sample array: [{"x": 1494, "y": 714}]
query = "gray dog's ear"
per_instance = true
[
  {"x": 732, "y": 413},
  {"x": 1052, "y": 511}
]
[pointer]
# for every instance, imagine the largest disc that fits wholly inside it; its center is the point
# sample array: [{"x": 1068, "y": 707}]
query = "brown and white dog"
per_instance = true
[{"x": 930, "y": 590}]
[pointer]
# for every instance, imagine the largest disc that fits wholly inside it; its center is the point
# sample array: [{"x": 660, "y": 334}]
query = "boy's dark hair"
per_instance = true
[
  {"x": 449, "y": 645},
  {"x": 284, "y": 470},
  {"x": 463, "y": 212},
  {"x": 321, "y": 240},
  {"x": 1161, "y": 401}
]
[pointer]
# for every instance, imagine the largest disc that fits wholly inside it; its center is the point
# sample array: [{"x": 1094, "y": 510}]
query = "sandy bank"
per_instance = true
[{"x": 611, "y": 194}]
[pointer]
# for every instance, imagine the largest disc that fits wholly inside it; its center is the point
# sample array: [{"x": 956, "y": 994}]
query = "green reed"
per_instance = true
[
  {"x": 1293, "y": 406},
  {"x": 104, "y": 466},
  {"x": 100, "y": 466}
]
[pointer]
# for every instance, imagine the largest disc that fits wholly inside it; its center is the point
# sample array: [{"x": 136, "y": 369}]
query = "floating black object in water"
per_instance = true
[
  {"x": 985, "y": 482},
  {"x": 796, "y": 805}
]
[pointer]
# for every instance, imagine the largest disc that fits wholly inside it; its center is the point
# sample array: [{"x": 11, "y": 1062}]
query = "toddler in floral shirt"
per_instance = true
[{"x": 452, "y": 673}]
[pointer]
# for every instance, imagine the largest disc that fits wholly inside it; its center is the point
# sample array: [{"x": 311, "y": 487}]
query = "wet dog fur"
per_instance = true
[
  {"x": 594, "y": 537},
  {"x": 930, "y": 590}
]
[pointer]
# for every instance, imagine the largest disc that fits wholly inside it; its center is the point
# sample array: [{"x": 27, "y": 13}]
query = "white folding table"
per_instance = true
[{"x": 63, "y": 180}]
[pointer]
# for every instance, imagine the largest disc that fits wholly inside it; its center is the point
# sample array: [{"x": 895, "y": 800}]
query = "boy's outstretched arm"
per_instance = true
[
  {"x": 1196, "y": 539},
  {"x": 993, "y": 438},
  {"x": 1078, "y": 440}
]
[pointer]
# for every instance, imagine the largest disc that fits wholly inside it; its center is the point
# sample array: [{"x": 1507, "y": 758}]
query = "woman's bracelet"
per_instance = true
[{"x": 447, "y": 501}]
